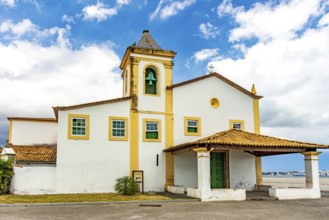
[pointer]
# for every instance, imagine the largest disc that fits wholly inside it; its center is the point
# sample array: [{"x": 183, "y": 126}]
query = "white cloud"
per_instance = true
[
  {"x": 68, "y": 19},
  {"x": 99, "y": 12},
  {"x": 33, "y": 77},
  {"x": 27, "y": 30},
  {"x": 208, "y": 30},
  {"x": 266, "y": 21},
  {"x": 166, "y": 9},
  {"x": 18, "y": 29},
  {"x": 226, "y": 7},
  {"x": 123, "y": 2},
  {"x": 291, "y": 72},
  {"x": 205, "y": 54},
  {"x": 9, "y": 3},
  {"x": 324, "y": 20}
]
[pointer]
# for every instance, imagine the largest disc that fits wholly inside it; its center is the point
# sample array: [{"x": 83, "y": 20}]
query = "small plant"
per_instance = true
[
  {"x": 126, "y": 186},
  {"x": 6, "y": 173}
]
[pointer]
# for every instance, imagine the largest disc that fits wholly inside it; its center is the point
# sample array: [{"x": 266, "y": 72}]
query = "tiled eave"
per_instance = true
[
  {"x": 41, "y": 154},
  {"x": 89, "y": 104},
  {"x": 249, "y": 142},
  {"x": 219, "y": 76},
  {"x": 32, "y": 119}
]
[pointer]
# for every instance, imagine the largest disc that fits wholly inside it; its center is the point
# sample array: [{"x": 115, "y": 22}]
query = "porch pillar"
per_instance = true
[
  {"x": 259, "y": 175},
  {"x": 312, "y": 170},
  {"x": 203, "y": 157}
]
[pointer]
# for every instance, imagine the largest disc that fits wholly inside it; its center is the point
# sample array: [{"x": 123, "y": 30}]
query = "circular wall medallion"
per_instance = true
[{"x": 214, "y": 103}]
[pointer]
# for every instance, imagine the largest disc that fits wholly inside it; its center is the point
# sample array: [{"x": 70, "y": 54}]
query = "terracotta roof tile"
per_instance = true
[
  {"x": 219, "y": 76},
  {"x": 239, "y": 138},
  {"x": 89, "y": 104},
  {"x": 35, "y": 153},
  {"x": 83, "y": 105},
  {"x": 148, "y": 42}
]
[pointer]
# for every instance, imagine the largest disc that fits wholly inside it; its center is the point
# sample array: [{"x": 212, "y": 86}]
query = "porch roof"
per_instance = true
[
  {"x": 259, "y": 145},
  {"x": 35, "y": 153}
]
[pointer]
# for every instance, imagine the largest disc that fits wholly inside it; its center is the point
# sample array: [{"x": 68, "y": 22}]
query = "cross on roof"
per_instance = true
[{"x": 211, "y": 67}]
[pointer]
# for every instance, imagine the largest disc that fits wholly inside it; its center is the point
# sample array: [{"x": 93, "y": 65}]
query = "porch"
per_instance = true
[{"x": 254, "y": 145}]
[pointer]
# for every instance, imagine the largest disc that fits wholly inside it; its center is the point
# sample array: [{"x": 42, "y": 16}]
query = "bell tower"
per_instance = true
[{"x": 146, "y": 72}]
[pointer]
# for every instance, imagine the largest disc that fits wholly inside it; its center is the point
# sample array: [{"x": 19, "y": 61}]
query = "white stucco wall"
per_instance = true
[
  {"x": 33, "y": 132},
  {"x": 186, "y": 169},
  {"x": 154, "y": 176},
  {"x": 85, "y": 166},
  {"x": 194, "y": 100},
  {"x": 33, "y": 179},
  {"x": 242, "y": 170}
]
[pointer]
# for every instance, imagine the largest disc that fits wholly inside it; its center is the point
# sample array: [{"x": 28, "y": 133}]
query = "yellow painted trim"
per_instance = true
[
  {"x": 203, "y": 149},
  {"x": 150, "y": 60},
  {"x": 10, "y": 131},
  {"x": 186, "y": 119},
  {"x": 158, "y": 75},
  {"x": 145, "y": 120},
  {"x": 169, "y": 126},
  {"x": 134, "y": 145},
  {"x": 34, "y": 120},
  {"x": 134, "y": 63},
  {"x": 258, "y": 160},
  {"x": 111, "y": 137},
  {"x": 259, "y": 175},
  {"x": 232, "y": 121},
  {"x": 154, "y": 112},
  {"x": 78, "y": 137},
  {"x": 312, "y": 153},
  {"x": 214, "y": 102},
  {"x": 256, "y": 116}
]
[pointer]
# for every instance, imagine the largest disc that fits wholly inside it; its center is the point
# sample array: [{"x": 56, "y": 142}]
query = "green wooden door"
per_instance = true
[{"x": 217, "y": 175}]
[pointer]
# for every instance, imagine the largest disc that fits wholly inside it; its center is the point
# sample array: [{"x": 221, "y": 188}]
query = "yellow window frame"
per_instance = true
[
  {"x": 145, "y": 120},
  {"x": 70, "y": 124},
  {"x": 115, "y": 138},
  {"x": 233, "y": 121},
  {"x": 190, "y": 118}
]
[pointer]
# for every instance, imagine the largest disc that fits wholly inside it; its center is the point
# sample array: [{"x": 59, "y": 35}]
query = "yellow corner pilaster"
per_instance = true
[
  {"x": 134, "y": 116},
  {"x": 10, "y": 131},
  {"x": 256, "y": 116},
  {"x": 169, "y": 131},
  {"x": 258, "y": 160},
  {"x": 134, "y": 148}
]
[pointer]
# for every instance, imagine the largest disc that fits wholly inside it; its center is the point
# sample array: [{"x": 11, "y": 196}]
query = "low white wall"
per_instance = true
[
  {"x": 33, "y": 179},
  {"x": 186, "y": 169},
  {"x": 218, "y": 194},
  {"x": 242, "y": 170},
  {"x": 176, "y": 189},
  {"x": 283, "y": 194}
]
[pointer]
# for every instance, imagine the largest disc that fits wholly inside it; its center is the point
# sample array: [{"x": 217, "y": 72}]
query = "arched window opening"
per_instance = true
[{"x": 151, "y": 81}]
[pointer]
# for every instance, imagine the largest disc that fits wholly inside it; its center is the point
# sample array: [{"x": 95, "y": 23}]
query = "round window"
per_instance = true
[{"x": 214, "y": 103}]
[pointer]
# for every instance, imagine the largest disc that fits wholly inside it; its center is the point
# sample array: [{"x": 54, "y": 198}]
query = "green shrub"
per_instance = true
[
  {"x": 6, "y": 173},
  {"x": 126, "y": 186}
]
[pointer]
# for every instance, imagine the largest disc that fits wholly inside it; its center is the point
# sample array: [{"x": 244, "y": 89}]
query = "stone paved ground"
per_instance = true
[{"x": 289, "y": 209}]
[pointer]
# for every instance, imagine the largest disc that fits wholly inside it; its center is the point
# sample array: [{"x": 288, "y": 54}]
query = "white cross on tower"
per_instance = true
[{"x": 211, "y": 67}]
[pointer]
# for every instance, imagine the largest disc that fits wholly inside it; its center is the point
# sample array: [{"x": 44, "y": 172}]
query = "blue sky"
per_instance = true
[{"x": 51, "y": 51}]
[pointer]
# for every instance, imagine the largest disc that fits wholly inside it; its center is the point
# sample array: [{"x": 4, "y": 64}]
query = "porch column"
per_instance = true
[
  {"x": 312, "y": 170},
  {"x": 259, "y": 175},
  {"x": 203, "y": 156}
]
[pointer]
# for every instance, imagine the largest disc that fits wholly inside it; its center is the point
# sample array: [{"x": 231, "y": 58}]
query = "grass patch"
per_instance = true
[{"x": 97, "y": 197}]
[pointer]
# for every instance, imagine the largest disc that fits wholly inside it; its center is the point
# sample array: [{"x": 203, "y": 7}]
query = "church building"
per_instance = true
[{"x": 200, "y": 137}]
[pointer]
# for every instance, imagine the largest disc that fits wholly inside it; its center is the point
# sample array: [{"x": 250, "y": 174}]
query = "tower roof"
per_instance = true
[{"x": 148, "y": 42}]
